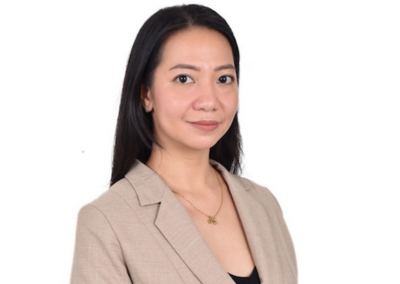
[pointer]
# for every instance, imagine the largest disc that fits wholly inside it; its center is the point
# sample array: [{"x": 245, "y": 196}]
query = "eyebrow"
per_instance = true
[{"x": 192, "y": 67}]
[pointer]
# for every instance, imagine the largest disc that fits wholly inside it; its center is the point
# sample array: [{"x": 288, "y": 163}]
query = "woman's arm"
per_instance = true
[{"x": 98, "y": 257}]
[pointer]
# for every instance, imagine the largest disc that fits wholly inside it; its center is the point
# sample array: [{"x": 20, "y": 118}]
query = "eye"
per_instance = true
[
  {"x": 225, "y": 79},
  {"x": 183, "y": 79}
]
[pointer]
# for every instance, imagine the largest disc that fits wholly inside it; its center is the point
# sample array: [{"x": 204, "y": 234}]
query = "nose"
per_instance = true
[{"x": 206, "y": 97}]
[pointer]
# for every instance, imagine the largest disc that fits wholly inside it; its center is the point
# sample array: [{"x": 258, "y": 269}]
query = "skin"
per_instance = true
[{"x": 195, "y": 80}]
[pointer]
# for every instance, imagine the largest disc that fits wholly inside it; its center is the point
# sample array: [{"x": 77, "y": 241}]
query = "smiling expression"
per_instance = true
[{"x": 194, "y": 93}]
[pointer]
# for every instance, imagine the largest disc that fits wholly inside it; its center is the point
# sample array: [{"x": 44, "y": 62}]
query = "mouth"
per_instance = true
[{"x": 206, "y": 125}]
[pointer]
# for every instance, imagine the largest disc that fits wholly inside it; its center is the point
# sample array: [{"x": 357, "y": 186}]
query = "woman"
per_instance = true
[{"x": 177, "y": 211}]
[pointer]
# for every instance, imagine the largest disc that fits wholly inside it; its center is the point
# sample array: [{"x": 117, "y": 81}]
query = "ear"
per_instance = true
[{"x": 145, "y": 95}]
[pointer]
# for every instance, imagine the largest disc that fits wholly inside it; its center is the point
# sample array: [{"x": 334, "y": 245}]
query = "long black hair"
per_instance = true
[{"x": 134, "y": 134}]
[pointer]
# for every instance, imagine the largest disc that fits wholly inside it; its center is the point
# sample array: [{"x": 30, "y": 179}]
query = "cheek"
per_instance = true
[
  {"x": 170, "y": 104},
  {"x": 231, "y": 101},
  {"x": 236, "y": 102}
]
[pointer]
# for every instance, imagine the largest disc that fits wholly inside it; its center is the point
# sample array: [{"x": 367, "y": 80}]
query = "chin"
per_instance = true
[{"x": 205, "y": 144}]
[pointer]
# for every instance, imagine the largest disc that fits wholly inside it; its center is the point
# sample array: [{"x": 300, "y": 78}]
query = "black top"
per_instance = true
[{"x": 252, "y": 279}]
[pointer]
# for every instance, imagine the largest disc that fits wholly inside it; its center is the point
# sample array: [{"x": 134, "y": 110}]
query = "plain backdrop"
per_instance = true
[{"x": 319, "y": 115}]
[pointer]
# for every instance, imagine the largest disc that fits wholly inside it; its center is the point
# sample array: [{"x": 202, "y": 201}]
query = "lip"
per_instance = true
[{"x": 207, "y": 125}]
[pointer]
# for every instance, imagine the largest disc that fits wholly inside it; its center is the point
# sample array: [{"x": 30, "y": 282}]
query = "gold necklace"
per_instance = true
[{"x": 211, "y": 219}]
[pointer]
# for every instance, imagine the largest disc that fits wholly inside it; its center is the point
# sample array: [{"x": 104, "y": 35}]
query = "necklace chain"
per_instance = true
[{"x": 211, "y": 219}]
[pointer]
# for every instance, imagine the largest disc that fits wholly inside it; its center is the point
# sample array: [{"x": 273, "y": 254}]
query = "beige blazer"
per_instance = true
[{"x": 139, "y": 232}]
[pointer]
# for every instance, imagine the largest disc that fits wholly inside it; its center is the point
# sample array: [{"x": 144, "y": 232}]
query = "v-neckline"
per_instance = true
[{"x": 245, "y": 277}]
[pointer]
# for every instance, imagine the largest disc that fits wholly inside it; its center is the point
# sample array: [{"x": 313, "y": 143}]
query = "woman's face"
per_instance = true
[{"x": 194, "y": 95}]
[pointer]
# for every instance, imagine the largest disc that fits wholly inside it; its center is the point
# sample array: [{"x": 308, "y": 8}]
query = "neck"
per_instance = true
[{"x": 186, "y": 173}]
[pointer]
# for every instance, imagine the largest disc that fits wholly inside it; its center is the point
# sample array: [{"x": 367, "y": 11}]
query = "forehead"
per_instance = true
[{"x": 197, "y": 46}]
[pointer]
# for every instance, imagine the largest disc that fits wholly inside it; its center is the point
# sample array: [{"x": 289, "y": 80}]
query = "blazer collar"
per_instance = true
[
  {"x": 176, "y": 225},
  {"x": 150, "y": 188}
]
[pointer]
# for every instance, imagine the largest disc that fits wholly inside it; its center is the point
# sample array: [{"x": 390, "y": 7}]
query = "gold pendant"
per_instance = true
[{"x": 211, "y": 220}]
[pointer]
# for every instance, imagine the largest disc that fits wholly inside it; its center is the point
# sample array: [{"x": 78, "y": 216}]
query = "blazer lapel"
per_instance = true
[
  {"x": 258, "y": 225},
  {"x": 176, "y": 225}
]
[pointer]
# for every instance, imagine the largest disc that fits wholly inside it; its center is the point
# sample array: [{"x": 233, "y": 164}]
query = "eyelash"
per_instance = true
[{"x": 182, "y": 75}]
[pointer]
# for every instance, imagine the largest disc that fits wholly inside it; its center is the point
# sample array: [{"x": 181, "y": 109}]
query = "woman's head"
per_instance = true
[
  {"x": 135, "y": 128},
  {"x": 193, "y": 96}
]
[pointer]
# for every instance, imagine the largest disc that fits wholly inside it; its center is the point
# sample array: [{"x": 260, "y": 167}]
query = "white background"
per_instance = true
[{"x": 319, "y": 114}]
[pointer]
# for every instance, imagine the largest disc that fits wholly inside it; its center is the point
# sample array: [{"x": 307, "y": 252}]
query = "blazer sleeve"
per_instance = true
[
  {"x": 286, "y": 237},
  {"x": 270, "y": 201},
  {"x": 98, "y": 257}
]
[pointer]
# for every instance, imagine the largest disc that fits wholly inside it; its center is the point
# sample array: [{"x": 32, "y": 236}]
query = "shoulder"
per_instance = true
[
  {"x": 111, "y": 202},
  {"x": 263, "y": 194}
]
